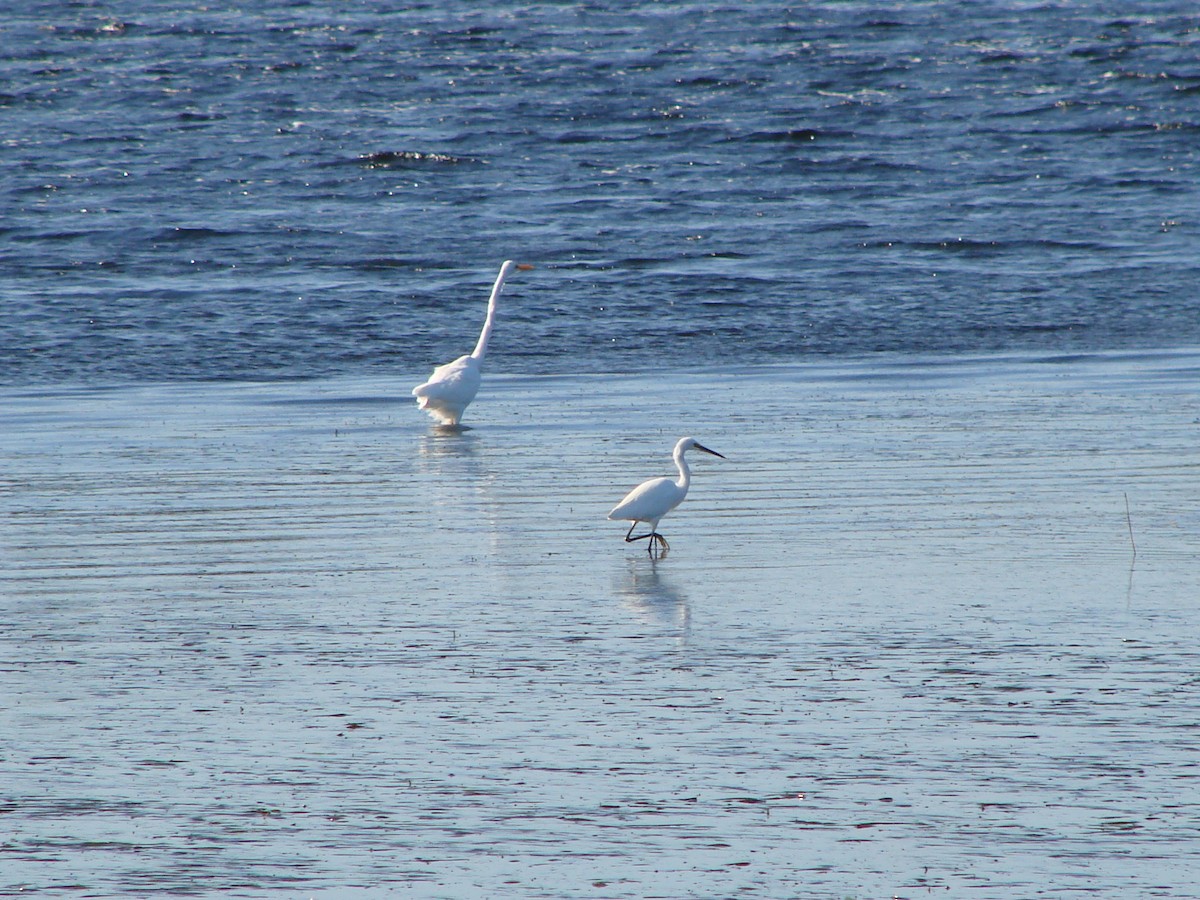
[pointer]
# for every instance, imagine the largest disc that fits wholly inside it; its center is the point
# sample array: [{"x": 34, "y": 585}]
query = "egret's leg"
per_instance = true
[
  {"x": 630, "y": 537},
  {"x": 658, "y": 545}
]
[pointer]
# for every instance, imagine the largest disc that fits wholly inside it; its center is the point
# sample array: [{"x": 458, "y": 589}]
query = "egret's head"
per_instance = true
[{"x": 689, "y": 443}]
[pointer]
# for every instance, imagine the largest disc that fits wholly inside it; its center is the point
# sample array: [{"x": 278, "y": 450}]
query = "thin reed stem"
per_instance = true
[{"x": 1129, "y": 524}]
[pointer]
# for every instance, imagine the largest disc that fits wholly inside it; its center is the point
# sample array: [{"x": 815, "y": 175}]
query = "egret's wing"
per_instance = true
[
  {"x": 651, "y": 499},
  {"x": 455, "y": 381}
]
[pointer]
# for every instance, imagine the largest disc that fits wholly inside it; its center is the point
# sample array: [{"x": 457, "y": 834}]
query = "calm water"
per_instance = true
[
  {"x": 285, "y": 640},
  {"x": 307, "y": 189}
]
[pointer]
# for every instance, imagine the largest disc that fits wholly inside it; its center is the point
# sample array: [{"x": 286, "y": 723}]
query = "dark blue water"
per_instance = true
[{"x": 313, "y": 188}]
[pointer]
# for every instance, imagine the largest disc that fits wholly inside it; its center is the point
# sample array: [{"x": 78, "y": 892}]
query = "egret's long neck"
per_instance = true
[
  {"x": 685, "y": 474},
  {"x": 481, "y": 344},
  {"x": 485, "y": 335}
]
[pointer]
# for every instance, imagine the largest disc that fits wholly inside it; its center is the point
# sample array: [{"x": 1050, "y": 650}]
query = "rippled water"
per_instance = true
[
  {"x": 286, "y": 640},
  {"x": 926, "y": 273},
  {"x": 314, "y": 189}
]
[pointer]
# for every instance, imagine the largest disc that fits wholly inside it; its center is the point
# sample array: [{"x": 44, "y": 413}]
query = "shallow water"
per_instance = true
[{"x": 288, "y": 639}]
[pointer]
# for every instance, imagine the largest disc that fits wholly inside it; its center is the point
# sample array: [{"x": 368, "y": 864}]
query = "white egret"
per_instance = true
[
  {"x": 653, "y": 499},
  {"x": 453, "y": 386}
]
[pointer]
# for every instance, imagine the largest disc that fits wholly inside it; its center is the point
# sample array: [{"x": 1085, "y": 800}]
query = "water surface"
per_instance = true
[
  {"x": 286, "y": 639},
  {"x": 326, "y": 189}
]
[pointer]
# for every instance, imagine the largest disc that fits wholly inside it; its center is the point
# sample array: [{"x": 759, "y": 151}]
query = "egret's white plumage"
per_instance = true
[
  {"x": 653, "y": 499},
  {"x": 453, "y": 386}
]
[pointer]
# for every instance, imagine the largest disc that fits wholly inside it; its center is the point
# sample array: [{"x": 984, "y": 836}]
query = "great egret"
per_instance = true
[
  {"x": 653, "y": 499},
  {"x": 453, "y": 386}
]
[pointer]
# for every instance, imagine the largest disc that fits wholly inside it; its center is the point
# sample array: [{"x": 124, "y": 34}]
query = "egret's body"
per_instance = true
[
  {"x": 452, "y": 387},
  {"x": 651, "y": 500}
]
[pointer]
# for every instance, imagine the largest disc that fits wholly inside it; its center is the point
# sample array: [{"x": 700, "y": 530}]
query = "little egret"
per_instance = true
[
  {"x": 453, "y": 386},
  {"x": 653, "y": 499}
]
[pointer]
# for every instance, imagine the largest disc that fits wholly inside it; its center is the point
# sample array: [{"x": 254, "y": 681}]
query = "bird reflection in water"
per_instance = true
[
  {"x": 456, "y": 478},
  {"x": 444, "y": 443},
  {"x": 650, "y": 594},
  {"x": 458, "y": 460}
]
